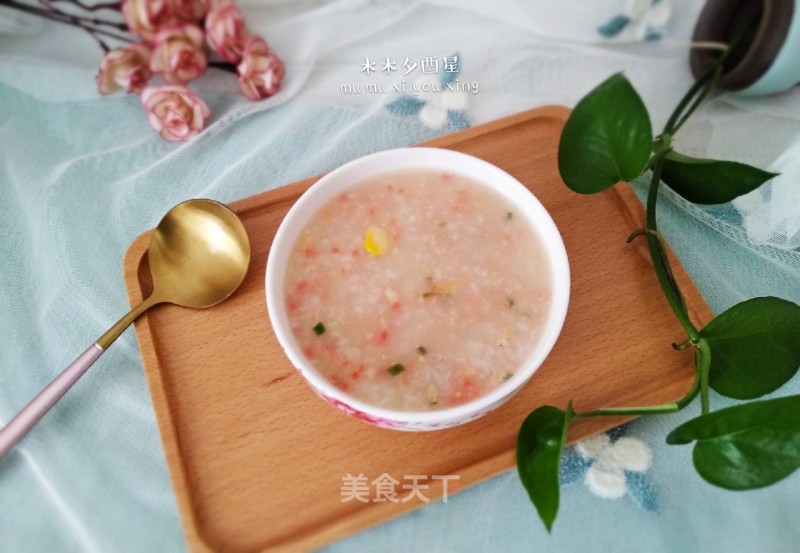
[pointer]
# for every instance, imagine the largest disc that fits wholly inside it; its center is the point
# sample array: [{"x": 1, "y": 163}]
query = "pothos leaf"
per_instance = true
[
  {"x": 708, "y": 181},
  {"x": 746, "y": 446},
  {"x": 606, "y": 139},
  {"x": 755, "y": 347},
  {"x": 539, "y": 445}
]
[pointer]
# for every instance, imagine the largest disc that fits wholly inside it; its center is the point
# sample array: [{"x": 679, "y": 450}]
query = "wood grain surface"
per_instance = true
[{"x": 257, "y": 459}]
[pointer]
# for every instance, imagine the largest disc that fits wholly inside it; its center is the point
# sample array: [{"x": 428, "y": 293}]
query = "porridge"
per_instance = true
[{"x": 417, "y": 290}]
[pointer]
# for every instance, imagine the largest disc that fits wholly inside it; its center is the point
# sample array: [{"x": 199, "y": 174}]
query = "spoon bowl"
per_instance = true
[{"x": 198, "y": 254}]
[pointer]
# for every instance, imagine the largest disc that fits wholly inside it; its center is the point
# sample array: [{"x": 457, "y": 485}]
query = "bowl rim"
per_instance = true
[{"x": 422, "y": 158}]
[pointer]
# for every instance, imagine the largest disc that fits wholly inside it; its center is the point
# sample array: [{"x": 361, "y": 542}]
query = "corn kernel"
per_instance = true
[
  {"x": 376, "y": 241},
  {"x": 447, "y": 287}
]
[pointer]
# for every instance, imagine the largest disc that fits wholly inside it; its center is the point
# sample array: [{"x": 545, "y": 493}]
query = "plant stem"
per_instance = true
[
  {"x": 710, "y": 85},
  {"x": 696, "y": 88},
  {"x": 660, "y": 260},
  {"x": 704, "y": 84},
  {"x": 703, "y": 365},
  {"x": 688, "y": 104},
  {"x": 649, "y": 409},
  {"x": 683, "y": 345},
  {"x": 661, "y": 153}
]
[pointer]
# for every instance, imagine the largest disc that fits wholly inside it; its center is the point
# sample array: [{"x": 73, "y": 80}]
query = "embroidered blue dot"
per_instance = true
[
  {"x": 641, "y": 490},
  {"x": 616, "y": 433},
  {"x": 573, "y": 466},
  {"x": 614, "y": 26},
  {"x": 652, "y": 35},
  {"x": 457, "y": 119},
  {"x": 405, "y": 105}
]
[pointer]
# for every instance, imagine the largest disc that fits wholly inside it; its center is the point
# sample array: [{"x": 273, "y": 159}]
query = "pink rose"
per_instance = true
[
  {"x": 225, "y": 30},
  {"x": 174, "y": 111},
  {"x": 145, "y": 17},
  {"x": 188, "y": 10},
  {"x": 260, "y": 72},
  {"x": 124, "y": 68},
  {"x": 179, "y": 53}
]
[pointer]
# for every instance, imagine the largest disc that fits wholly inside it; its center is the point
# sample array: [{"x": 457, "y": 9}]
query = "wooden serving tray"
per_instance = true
[{"x": 257, "y": 459}]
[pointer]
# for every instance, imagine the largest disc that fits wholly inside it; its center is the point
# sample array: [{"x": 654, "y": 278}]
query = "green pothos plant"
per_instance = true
[{"x": 748, "y": 351}]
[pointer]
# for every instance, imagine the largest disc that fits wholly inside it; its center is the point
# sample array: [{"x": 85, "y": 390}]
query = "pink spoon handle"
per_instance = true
[{"x": 13, "y": 432}]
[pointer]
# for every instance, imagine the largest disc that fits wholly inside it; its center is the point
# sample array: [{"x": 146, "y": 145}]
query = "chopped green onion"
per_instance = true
[
  {"x": 507, "y": 376},
  {"x": 509, "y": 215},
  {"x": 395, "y": 369},
  {"x": 422, "y": 350},
  {"x": 510, "y": 302},
  {"x": 319, "y": 329}
]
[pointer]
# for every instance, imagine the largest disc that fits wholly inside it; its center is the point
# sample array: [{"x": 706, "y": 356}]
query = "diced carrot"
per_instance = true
[
  {"x": 308, "y": 351},
  {"x": 301, "y": 286},
  {"x": 467, "y": 392},
  {"x": 309, "y": 251},
  {"x": 357, "y": 373},
  {"x": 338, "y": 382},
  {"x": 381, "y": 337},
  {"x": 396, "y": 306},
  {"x": 334, "y": 249}
]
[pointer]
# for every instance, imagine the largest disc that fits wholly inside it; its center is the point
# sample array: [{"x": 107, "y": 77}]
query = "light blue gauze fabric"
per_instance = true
[{"x": 81, "y": 176}]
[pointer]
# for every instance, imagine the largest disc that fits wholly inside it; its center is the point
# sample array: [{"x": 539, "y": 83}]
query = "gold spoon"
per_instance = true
[{"x": 199, "y": 254}]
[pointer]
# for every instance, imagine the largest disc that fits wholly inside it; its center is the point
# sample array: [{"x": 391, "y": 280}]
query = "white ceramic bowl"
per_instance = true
[{"x": 416, "y": 158}]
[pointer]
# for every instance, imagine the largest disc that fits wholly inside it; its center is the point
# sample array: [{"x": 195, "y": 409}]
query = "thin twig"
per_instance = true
[
  {"x": 103, "y": 46},
  {"x": 117, "y": 6},
  {"x": 82, "y": 18},
  {"x": 78, "y": 22},
  {"x": 61, "y": 18}
]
